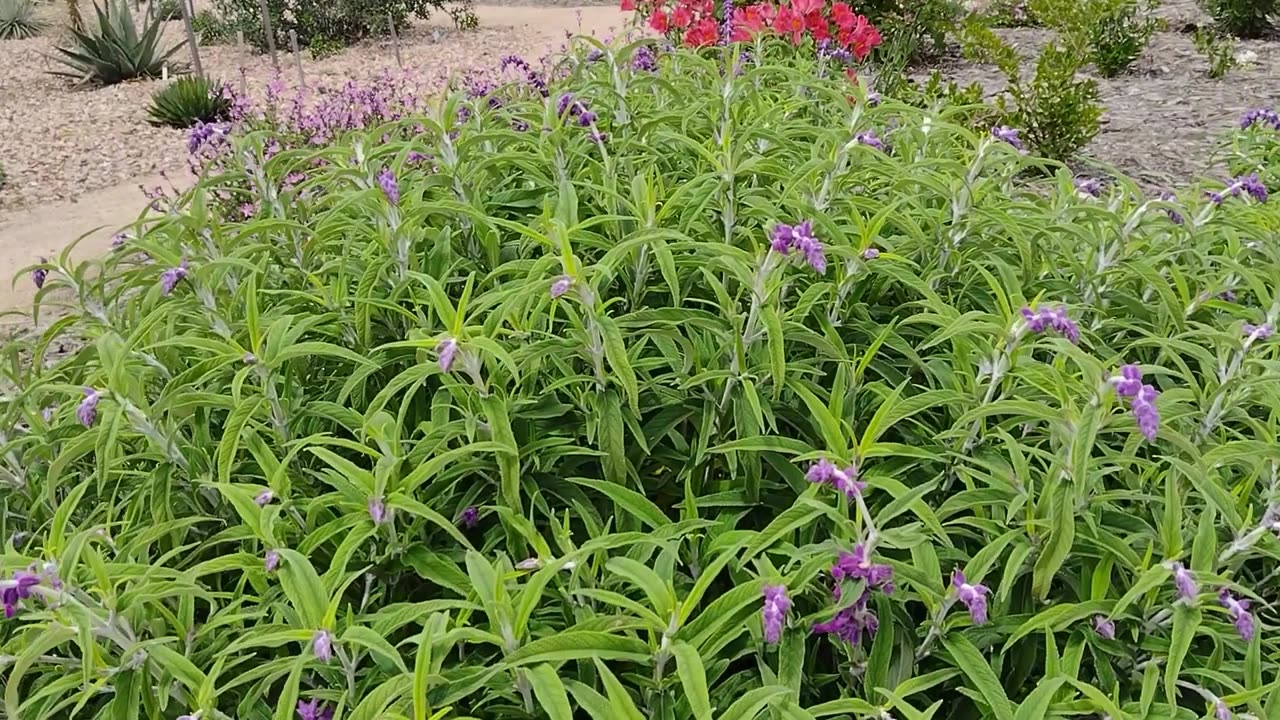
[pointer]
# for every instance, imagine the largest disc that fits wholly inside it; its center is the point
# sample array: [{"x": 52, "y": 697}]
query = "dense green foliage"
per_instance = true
[
  {"x": 116, "y": 49},
  {"x": 1244, "y": 18},
  {"x": 18, "y": 20},
  {"x": 1218, "y": 49},
  {"x": 187, "y": 101},
  {"x": 323, "y": 21},
  {"x": 211, "y": 28},
  {"x": 504, "y": 409},
  {"x": 1117, "y": 31}
]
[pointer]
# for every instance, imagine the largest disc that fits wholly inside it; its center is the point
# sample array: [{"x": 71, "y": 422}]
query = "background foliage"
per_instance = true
[{"x": 507, "y": 406}]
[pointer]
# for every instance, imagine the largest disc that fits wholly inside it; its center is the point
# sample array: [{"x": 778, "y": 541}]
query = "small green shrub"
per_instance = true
[
  {"x": 114, "y": 50},
  {"x": 187, "y": 101},
  {"x": 323, "y": 47},
  {"x": 911, "y": 27},
  {"x": 211, "y": 28},
  {"x": 167, "y": 10},
  {"x": 323, "y": 21},
  {"x": 1218, "y": 49},
  {"x": 4, "y": 178},
  {"x": 19, "y": 20},
  {"x": 1117, "y": 31},
  {"x": 1010, "y": 13},
  {"x": 1243, "y": 18},
  {"x": 1057, "y": 111},
  {"x": 1255, "y": 147}
]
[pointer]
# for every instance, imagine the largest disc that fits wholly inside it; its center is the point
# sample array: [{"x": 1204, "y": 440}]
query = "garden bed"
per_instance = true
[{"x": 59, "y": 142}]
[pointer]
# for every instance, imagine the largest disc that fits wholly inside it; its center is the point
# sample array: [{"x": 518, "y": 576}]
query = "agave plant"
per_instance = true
[
  {"x": 115, "y": 50},
  {"x": 187, "y": 101},
  {"x": 18, "y": 20}
]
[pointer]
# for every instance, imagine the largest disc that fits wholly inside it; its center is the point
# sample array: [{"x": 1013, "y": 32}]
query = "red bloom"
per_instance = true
[
  {"x": 865, "y": 39},
  {"x": 702, "y": 34},
  {"x": 682, "y": 16},
  {"x": 807, "y": 7},
  {"x": 843, "y": 15},
  {"x": 817, "y": 26},
  {"x": 749, "y": 22},
  {"x": 659, "y": 21},
  {"x": 788, "y": 22},
  {"x": 628, "y": 5}
]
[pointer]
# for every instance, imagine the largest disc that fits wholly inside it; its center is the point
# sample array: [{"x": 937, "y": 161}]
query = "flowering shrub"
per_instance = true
[
  {"x": 1244, "y": 18},
  {"x": 1255, "y": 147},
  {"x": 324, "y": 23},
  {"x": 659, "y": 391},
  {"x": 1117, "y": 31},
  {"x": 701, "y": 23}
]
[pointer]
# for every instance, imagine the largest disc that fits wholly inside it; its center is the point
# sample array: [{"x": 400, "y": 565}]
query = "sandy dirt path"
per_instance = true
[{"x": 45, "y": 230}]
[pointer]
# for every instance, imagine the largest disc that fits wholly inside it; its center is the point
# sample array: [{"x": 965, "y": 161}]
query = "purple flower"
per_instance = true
[
  {"x": 313, "y": 710},
  {"x": 322, "y": 645},
  {"x": 869, "y": 139},
  {"x": 248, "y": 209},
  {"x": 88, "y": 410},
  {"x": 170, "y": 278},
  {"x": 249, "y": 359},
  {"x": 1145, "y": 411},
  {"x": 1174, "y": 216},
  {"x": 387, "y": 181},
  {"x": 851, "y": 622},
  {"x": 118, "y": 241},
  {"x": 726, "y": 22},
  {"x": 1185, "y": 584},
  {"x": 271, "y": 561},
  {"x": 564, "y": 102},
  {"x": 857, "y": 566},
  {"x": 1091, "y": 187},
  {"x": 561, "y": 286},
  {"x": 377, "y": 510},
  {"x": 1254, "y": 333},
  {"x": 846, "y": 481},
  {"x": 447, "y": 350},
  {"x": 776, "y": 605},
  {"x": 1220, "y": 710},
  {"x": 1239, "y": 611},
  {"x": 39, "y": 275},
  {"x": 644, "y": 60},
  {"x": 519, "y": 125},
  {"x": 785, "y": 238},
  {"x": 15, "y": 589},
  {"x": 781, "y": 239},
  {"x": 1129, "y": 381},
  {"x": 974, "y": 597},
  {"x": 1104, "y": 627},
  {"x": 598, "y": 137},
  {"x": 264, "y": 498},
  {"x": 874, "y": 99},
  {"x": 532, "y": 563},
  {"x": 870, "y": 253},
  {"x": 586, "y": 117},
  {"x": 1051, "y": 318},
  {"x": 469, "y": 517},
  {"x": 1245, "y": 183},
  {"x": 1009, "y": 135},
  {"x": 1260, "y": 116}
]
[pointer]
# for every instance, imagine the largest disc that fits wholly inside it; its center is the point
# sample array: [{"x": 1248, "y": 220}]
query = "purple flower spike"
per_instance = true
[
  {"x": 1129, "y": 381},
  {"x": 644, "y": 60},
  {"x": 1145, "y": 411},
  {"x": 447, "y": 351},
  {"x": 869, "y": 139},
  {"x": 1239, "y": 611},
  {"x": 820, "y": 472},
  {"x": 1007, "y": 134},
  {"x": 1185, "y": 584},
  {"x": 469, "y": 517},
  {"x": 88, "y": 410},
  {"x": 377, "y": 510},
  {"x": 776, "y": 605},
  {"x": 561, "y": 286},
  {"x": 271, "y": 561},
  {"x": 1051, "y": 319},
  {"x": 850, "y": 623},
  {"x": 1104, "y": 627},
  {"x": 1260, "y": 116},
  {"x": 974, "y": 597},
  {"x": 170, "y": 278},
  {"x": 586, "y": 117},
  {"x": 39, "y": 275},
  {"x": 15, "y": 589},
  {"x": 870, "y": 253},
  {"x": 1090, "y": 187},
  {"x": 264, "y": 498},
  {"x": 313, "y": 710},
  {"x": 1221, "y": 711},
  {"x": 1174, "y": 216},
  {"x": 322, "y": 645},
  {"x": 857, "y": 566},
  {"x": 1254, "y": 333},
  {"x": 806, "y": 243},
  {"x": 390, "y": 188},
  {"x": 563, "y": 103},
  {"x": 781, "y": 239}
]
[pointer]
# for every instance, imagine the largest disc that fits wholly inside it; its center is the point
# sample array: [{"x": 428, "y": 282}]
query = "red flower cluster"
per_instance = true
[{"x": 696, "y": 24}]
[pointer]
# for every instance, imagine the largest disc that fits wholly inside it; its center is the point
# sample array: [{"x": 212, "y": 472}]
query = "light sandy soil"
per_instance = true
[{"x": 68, "y": 193}]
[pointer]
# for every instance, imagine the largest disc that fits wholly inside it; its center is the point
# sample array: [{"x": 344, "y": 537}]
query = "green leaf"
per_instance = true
[
  {"x": 752, "y": 702},
  {"x": 693, "y": 678},
  {"x": 550, "y": 692},
  {"x": 375, "y": 644},
  {"x": 777, "y": 351},
  {"x": 624, "y": 708},
  {"x": 634, "y": 503},
  {"x": 615, "y": 351},
  {"x": 303, "y": 587},
  {"x": 1185, "y": 622},
  {"x": 579, "y": 645},
  {"x": 1036, "y": 706},
  {"x": 966, "y": 657}
]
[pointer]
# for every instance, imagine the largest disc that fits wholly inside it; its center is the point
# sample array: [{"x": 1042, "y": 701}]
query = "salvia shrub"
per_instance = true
[
  {"x": 187, "y": 101},
  {"x": 166, "y": 9},
  {"x": 1243, "y": 18},
  {"x": 211, "y": 28},
  {"x": 1255, "y": 147},
  {"x": 19, "y": 20},
  {"x": 655, "y": 385},
  {"x": 1057, "y": 110},
  {"x": 1218, "y": 49},
  {"x": 323, "y": 21},
  {"x": 1010, "y": 13},
  {"x": 1117, "y": 31},
  {"x": 115, "y": 50}
]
